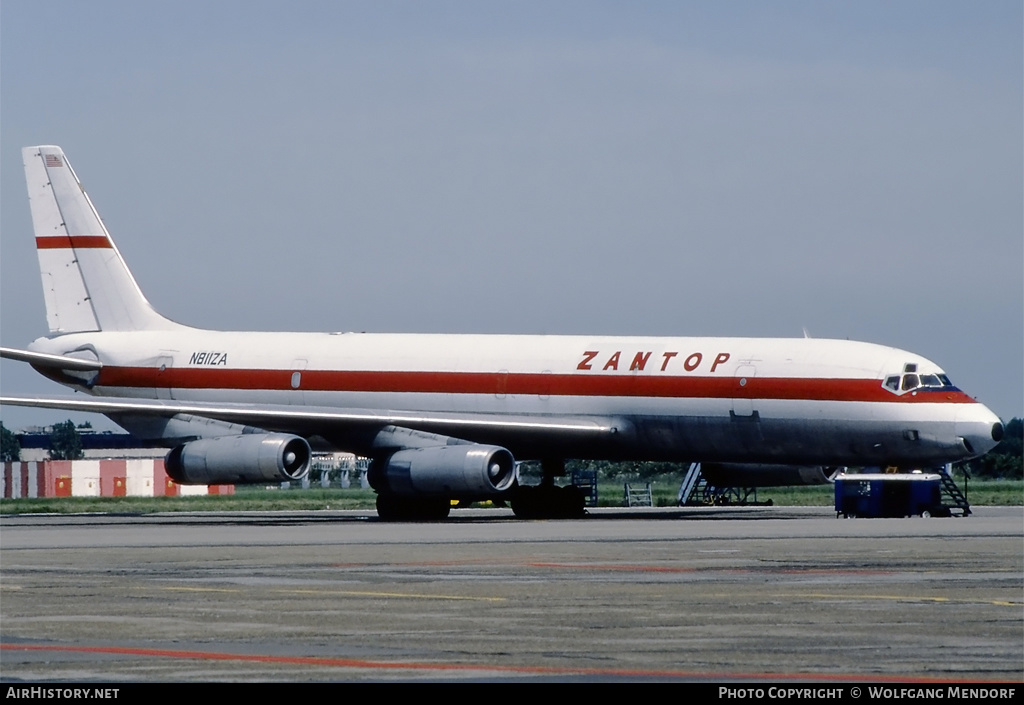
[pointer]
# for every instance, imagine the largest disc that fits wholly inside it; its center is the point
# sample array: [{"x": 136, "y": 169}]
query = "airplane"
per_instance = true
[{"x": 447, "y": 418}]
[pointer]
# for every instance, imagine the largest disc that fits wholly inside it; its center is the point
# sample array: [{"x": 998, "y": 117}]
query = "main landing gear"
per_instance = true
[
  {"x": 544, "y": 501},
  {"x": 547, "y": 500},
  {"x": 395, "y": 508}
]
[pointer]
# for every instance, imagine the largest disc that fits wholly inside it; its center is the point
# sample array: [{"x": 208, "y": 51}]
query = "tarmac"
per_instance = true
[{"x": 728, "y": 594}]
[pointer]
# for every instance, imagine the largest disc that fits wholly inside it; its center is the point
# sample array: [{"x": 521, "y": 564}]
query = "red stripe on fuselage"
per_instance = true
[
  {"x": 587, "y": 385},
  {"x": 78, "y": 242}
]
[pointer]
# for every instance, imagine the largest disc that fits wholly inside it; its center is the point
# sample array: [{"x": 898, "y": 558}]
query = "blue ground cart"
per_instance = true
[{"x": 890, "y": 495}]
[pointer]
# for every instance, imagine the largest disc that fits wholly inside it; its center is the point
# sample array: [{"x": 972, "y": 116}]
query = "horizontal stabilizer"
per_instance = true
[{"x": 61, "y": 362}]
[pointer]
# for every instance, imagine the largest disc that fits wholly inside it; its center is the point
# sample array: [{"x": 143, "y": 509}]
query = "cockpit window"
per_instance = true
[{"x": 910, "y": 381}]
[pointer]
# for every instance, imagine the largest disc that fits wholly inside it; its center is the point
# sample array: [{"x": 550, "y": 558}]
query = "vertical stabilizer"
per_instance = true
[{"x": 86, "y": 284}]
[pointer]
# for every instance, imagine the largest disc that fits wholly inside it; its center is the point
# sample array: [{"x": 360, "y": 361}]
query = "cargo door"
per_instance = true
[
  {"x": 164, "y": 377},
  {"x": 743, "y": 403}
]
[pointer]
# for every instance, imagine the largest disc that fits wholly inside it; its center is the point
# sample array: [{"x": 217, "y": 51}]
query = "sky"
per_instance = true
[{"x": 855, "y": 170}]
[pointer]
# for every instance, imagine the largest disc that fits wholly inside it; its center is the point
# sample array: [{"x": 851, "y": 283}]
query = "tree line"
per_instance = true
[{"x": 65, "y": 442}]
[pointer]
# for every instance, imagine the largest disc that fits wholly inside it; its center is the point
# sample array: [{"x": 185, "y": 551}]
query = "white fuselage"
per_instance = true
[{"x": 810, "y": 401}]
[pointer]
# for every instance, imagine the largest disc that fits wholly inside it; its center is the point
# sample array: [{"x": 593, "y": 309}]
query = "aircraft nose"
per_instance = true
[{"x": 979, "y": 429}]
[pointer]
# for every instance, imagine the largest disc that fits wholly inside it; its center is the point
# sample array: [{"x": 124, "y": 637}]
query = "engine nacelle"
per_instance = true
[
  {"x": 764, "y": 475},
  {"x": 240, "y": 460},
  {"x": 445, "y": 471}
]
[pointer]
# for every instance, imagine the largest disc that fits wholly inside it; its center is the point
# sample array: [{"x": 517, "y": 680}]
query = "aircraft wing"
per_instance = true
[{"x": 308, "y": 420}]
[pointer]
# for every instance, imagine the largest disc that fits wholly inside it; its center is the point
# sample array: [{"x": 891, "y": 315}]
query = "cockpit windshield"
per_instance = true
[{"x": 911, "y": 381}]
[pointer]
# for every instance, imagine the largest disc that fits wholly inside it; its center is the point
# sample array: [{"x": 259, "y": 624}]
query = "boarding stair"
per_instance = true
[
  {"x": 638, "y": 497},
  {"x": 692, "y": 481},
  {"x": 586, "y": 481},
  {"x": 695, "y": 490},
  {"x": 952, "y": 497}
]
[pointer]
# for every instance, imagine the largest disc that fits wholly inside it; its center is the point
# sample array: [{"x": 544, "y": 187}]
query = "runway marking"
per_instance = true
[
  {"x": 630, "y": 567},
  {"x": 418, "y": 564},
  {"x": 831, "y": 571},
  {"x": 355, "y": 593},
  {"x": 671, "y": 569},
  {"x": 467, "y": 667},
  {"x": 904, "y": 598},
  {"x": 406, "y": 595},
  {"x": 623, "y": 567}
]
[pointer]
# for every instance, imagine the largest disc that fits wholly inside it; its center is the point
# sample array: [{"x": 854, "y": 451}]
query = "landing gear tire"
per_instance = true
[
  {"x": 548, "y": 502},
  {"x": 395, "y": 508}
]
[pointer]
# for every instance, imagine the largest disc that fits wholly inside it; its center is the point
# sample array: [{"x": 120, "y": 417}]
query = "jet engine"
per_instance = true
[
  {"x": 238, "y": 460},
  {"x": 455, "y": 470},
  {"x": 765, "y": 475}
]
